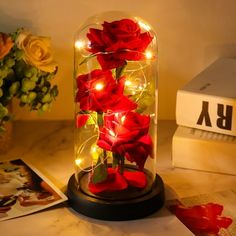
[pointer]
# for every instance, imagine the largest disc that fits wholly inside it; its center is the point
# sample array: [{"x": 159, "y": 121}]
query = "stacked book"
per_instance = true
[{"x": 205, "y": 138}]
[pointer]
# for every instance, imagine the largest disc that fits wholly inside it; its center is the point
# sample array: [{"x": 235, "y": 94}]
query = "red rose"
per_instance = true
[
  {"x": 202, "y": 218},
  {"x": 118, "y": 42},
  {"x": 99, "y": 91},
  {"x": 127, "y": 135}
]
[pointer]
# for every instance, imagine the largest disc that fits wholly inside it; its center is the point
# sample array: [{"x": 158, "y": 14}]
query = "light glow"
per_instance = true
[
  {"x": 144, "y": 25},
  {"x": 122, "y": 119},
  {"x": 95, "y": 152},
  {"x": 112, "y": 133},
  {"x": 79, "y": 44},
  {"x": 99, "y": 86},
  {"x": 148, "y": 55},
  {"x": 78, "y": 161},
  {"x": 94, "y": 149},
  {"x": 128, "y": 83}
]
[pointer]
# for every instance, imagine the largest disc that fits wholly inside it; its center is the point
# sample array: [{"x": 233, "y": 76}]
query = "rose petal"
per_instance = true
[
  {"x": 81, "y": 120},
  {"x": 224, "y": 222},
  {"x": 135, "y": 178},
  {"x": 114, "y": 182},
  {"x": 103, "y": 144}
]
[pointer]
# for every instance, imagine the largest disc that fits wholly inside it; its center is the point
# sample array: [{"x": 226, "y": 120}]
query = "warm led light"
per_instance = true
[
  {"x": 144, "y": 25},
  {"x": 148, "y": 54},
  {"x": 79, "y": 44},
  {"x": 128, "y": 83},
  {"x": 122, "y": 119},
  {"x": 94, "y": 149},
  {"x": 112, "y": 133},
  {"x": 99, "y": 86},
  {"x": 94, "y": 152},
  {"x": 78, "y": 161}
]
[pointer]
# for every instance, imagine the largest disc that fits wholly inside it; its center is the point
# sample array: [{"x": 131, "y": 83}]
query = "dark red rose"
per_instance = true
[
  {"x": 99, "y": 91},
  {"x": 117, "y": 182},
  {"x": 127, "y": 134},
  {"x": 118, "y": 42},
  {"x": 202, "y": 218}
]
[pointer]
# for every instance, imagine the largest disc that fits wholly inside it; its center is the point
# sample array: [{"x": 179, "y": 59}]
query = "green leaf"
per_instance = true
[
  {"x": 14, "y": 88},
  {"x": 119, "y": 71},
  {"x": 100, "y": 173},
  {"x": 87, "y": 59},
  {"x": 3, "y": 111},
  {"x": 100, "y": 119},
  {"x": 145, "y": 101},
  {"x": 92, "y": 118}
]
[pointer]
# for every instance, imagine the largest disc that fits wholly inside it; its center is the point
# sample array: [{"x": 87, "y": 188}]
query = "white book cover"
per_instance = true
[
  {"x": 204, "y": 150},
  {"x": 208, "y": 101}
]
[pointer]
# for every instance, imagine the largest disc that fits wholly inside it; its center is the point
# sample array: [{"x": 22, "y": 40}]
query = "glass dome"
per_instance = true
[{"x": 115, "y": 90}]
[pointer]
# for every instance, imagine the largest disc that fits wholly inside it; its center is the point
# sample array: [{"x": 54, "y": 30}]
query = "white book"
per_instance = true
[
  {"x": 208, "y": 101},
  {"x": 204, "y": 150}
]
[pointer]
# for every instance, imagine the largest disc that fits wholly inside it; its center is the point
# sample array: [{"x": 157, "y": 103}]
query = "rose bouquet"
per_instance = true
[
  {"x": 26, "y": 71},
  {"x": 114, "y": 95}
]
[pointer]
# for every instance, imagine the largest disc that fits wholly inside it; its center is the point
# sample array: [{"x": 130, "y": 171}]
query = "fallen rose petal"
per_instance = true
[
  {"x": 224, "y": 222},
  {"x": 202, "y": 218},
  {"x": 114, "y": 182},
  {"x": 135, "y": 178}
]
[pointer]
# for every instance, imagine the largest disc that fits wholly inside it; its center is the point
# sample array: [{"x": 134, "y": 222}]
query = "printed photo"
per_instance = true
[{"x": 23, "y": 190}]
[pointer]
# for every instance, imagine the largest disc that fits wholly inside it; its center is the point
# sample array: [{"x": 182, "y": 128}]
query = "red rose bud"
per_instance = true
[
  {"x": 202, "y": 218},
  {"x": 99, "y": 91},
  {"x": 127, "y": 134},
  {"x": 118, "y": 42}
]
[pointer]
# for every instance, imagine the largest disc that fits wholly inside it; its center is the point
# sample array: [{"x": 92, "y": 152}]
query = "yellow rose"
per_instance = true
[
  {"x": 37, "y": 51},
  {"x": 5, "y": 45}
]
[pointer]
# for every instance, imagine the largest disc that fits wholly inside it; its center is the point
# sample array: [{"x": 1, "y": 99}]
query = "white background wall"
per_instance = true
[{"x": 192, "y": 34}]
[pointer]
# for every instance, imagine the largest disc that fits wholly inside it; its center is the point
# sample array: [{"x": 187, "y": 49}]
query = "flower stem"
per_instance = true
[
  {"x": 100, "y": 119},
  {"x": 105, "y": 157},
  {"x": 122, "y": 164},
  {"x": 118, "y": 160}
]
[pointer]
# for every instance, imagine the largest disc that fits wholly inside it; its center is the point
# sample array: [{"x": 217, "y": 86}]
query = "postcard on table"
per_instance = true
[
  {"x": 212, "y": 214},
  {"x": 24, "y": 190}
]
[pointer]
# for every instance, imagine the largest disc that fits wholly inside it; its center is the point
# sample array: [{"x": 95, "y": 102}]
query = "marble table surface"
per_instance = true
[{"x": 48, "y": 145}]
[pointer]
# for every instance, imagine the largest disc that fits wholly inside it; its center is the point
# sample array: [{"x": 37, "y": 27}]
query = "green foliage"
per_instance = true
[
  {"x": 100, "y": 172},
  {"x": 24, "y": 82}
]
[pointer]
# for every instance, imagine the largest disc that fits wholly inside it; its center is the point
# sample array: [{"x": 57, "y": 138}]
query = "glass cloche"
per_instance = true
[{"x": 115, "y": 91}]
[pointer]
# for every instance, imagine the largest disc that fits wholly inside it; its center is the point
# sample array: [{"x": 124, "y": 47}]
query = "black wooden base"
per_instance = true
[{"x": 115, "y": 209}]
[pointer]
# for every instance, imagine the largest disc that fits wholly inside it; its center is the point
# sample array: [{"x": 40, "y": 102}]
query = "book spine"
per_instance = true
[
  {"x": 202, "y": 150},
  {"x": 210, "y": 113}
]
